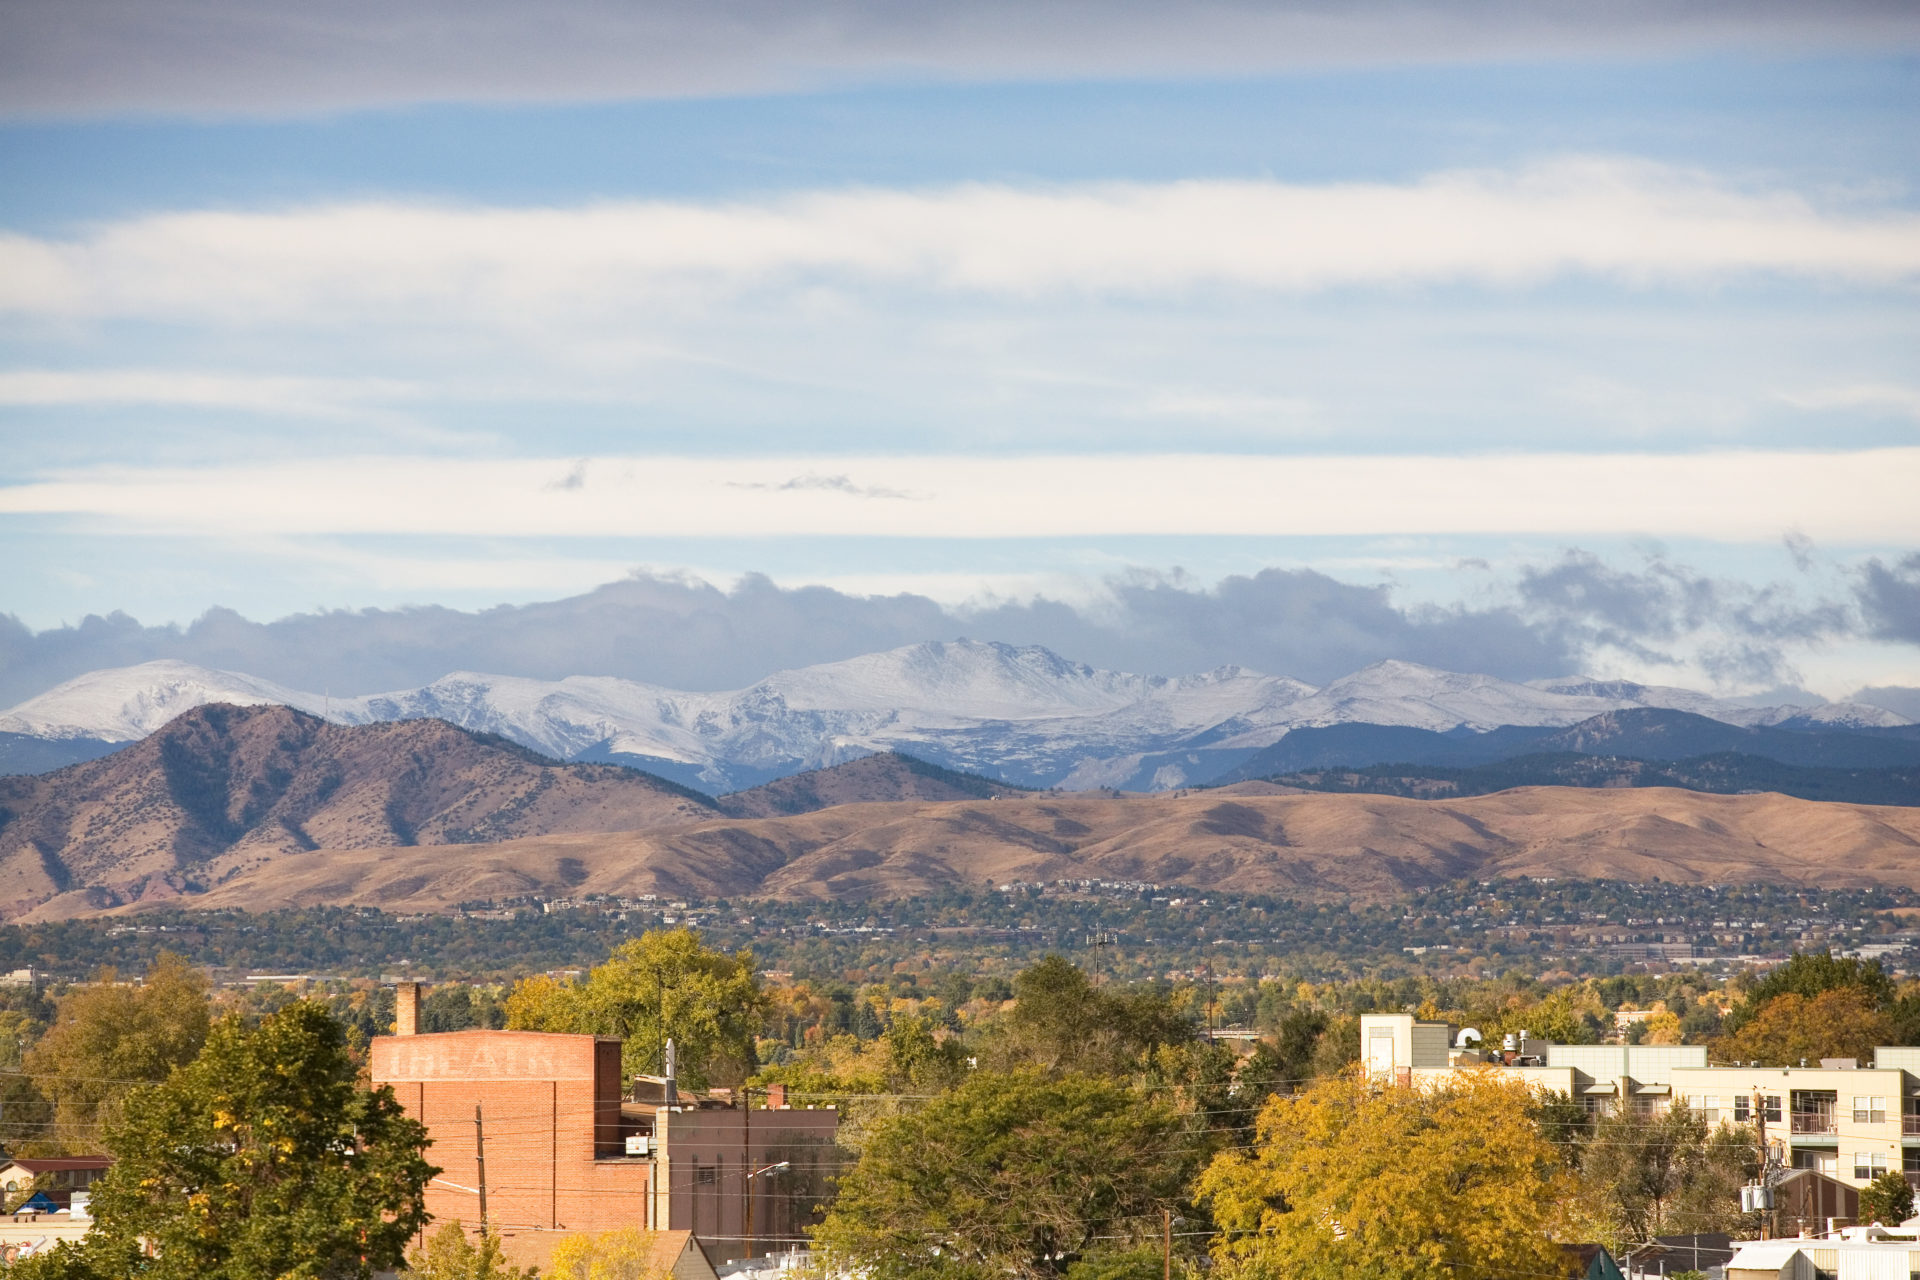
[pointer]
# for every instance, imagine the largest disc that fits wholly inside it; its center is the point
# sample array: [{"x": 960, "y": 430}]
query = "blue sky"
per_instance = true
[{"x": 428, "y": 310}]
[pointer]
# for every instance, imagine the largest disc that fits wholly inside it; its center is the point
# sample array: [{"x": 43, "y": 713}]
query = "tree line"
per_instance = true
[{"x": 1054, "y": 1126}]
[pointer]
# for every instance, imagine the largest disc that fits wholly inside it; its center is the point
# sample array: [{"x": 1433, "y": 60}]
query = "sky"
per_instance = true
[{"x": 357, "y": 345}]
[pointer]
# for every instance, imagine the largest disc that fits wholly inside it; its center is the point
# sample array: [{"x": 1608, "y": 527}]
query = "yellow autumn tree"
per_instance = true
[
  {"x": 627, "y": 1253},
  {"x": 1354, "y": 1180}
]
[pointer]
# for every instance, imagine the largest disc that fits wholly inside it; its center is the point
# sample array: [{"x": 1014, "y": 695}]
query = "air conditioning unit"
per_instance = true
[{"x": 639, "y": 1144}]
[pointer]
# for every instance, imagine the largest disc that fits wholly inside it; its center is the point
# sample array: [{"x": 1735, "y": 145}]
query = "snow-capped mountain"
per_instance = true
[
  {"x": 125, "y": 704},
  {"x": 1838, "y": 715},
  {"x": 1023, "y": 714}
]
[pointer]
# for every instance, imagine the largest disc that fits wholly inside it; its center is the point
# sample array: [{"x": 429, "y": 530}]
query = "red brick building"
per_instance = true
[{"x": 568, "y": 1147}]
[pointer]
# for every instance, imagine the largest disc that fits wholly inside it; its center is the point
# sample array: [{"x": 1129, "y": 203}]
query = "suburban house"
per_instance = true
[
  {"x": 57, "y": 1178},
  {"x": 547, "y": 1128}
]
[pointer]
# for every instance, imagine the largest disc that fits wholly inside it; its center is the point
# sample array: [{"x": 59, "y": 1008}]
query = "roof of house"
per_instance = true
[
  {"x": 1684, "y": 1253},
  {"x": 56, "y": 1164}
]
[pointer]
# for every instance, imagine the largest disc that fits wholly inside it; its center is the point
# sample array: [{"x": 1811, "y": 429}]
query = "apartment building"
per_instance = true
[
  {"x": 560, "y": 1142},
  {"x": 1607, "y": 1077},
  {"x": 1837, "y": 1118},
  {"x": 1849, "y": 1122}
]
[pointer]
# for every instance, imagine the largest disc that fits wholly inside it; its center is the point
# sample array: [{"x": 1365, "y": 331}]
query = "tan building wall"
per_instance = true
[{"x": 1860, "y": 1135}]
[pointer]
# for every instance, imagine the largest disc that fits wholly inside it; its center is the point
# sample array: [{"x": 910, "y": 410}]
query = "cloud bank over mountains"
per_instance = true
[{"x": 685, "y": 633}]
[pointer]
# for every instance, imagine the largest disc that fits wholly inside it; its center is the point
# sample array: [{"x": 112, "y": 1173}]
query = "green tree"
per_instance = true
[
  {"x": 1665, "y": 1175},
  {"x": 1061, "y": 1022},
  {"x": 1296, "y": 1039},
  {"x": 261, "y": 1160},
  {"x": 1141, "y": 1262},
  {"x": 1010, "y": 1174},
  {"x": 1808, "y": 974},
  {"x": 921, "y": 1060},
  {"x": 1841, "y": 1022},
  {"x": 1338, "y": 1049},
  {"x": 1887, "y": 1200},
  {"x": 663, "y": 985},
  {"x": 1350, "y": 1181},
  {"x": 107, "y": 1037},
  {"x": 25, "y": 1112},
  {"x": 450, "y": 1255}
]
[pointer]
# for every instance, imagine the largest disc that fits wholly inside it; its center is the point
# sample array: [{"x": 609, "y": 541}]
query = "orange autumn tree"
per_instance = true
[
  {"x": 1354, "y": 1180},
  {"x": 1841, "y": 1023}
]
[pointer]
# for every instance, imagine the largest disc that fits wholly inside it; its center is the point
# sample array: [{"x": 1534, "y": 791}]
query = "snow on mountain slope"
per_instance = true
[
  {"x": 1026, "y": 714},
  {"x": 1406, "y": 693},
  {"x": 964, "y": 680},
  {"x": 1626, "y": 693},
  {"x": 125, "y": 704}
]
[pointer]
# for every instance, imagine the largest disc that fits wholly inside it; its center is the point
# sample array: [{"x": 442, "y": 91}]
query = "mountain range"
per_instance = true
[
  {"x": 262, "y": 806},
  {"x": 1023, "y": 716},
  {"x": 223, "y": 790}
]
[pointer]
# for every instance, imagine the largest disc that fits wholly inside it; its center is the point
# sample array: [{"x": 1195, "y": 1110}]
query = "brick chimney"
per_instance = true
[
  {"x": 406, "y": 1008},
  {"x": 776, "y": 1097}
]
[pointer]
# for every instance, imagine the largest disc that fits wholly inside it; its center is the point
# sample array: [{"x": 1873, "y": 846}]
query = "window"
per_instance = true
[
  {"x": 1706, "y": 1106},
  {"x": 1772, "y": 1101},
  {"x": 1869, "y": 1110},
  {"x": 1742, "y": 1109},
  {"x": 1868, "y": 1165}
]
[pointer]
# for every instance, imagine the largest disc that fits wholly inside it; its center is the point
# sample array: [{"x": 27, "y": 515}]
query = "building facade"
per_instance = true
[
  {"x": 1837, "y": 1118},
  {"x": 560, "y": 1142}
]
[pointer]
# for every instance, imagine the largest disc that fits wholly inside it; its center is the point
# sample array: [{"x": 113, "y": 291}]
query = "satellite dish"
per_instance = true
[{"x": 1469, "y": 1038}]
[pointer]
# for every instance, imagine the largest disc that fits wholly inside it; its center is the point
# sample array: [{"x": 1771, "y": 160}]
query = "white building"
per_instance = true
[{"x": 1838, "y": 1118}]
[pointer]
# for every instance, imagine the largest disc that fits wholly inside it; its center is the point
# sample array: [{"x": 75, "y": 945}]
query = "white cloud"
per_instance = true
[
  {"x": 1863, "y": 497},
  {"x": 522, "y": 268},
  {"x": 46, "y": 388}
]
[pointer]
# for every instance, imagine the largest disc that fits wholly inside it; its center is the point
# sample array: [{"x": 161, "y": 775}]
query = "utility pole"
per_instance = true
[
  {"x": 480, "y": 1161},
  {"x": 1209, "y": 1002},
  {"x": 746, "y": 1159},
  {"x": 1760, "y": 1129},
  {"x": 1166, "y": 1244},
  {"x": 660, "y": 990}
]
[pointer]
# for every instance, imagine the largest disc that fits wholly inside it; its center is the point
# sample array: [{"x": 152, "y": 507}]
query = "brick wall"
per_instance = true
[{"x": 550, "y": 1111}]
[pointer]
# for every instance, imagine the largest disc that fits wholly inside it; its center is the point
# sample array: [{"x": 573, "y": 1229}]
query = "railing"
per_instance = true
[
  {"x": 1814, "y": 1122},
  {"x": 1910, "y": 1124}
]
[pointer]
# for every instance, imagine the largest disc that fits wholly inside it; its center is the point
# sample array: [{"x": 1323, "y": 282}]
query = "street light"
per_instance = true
[{"x": 771, "y": 1168}]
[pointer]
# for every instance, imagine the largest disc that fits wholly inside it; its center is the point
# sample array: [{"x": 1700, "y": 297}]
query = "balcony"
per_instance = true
[
  {"x": 1814, "y": 1122},
  {"x": 1910, "y": 1124}
]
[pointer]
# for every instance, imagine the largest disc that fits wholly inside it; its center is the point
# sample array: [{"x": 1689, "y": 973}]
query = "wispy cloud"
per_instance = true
[
  {"x": 1855, "y": 498},
  {"x": 1902, "y": 401},
  {"x": 383, "y": 263},
  {"x": 322, "y": 397}
]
